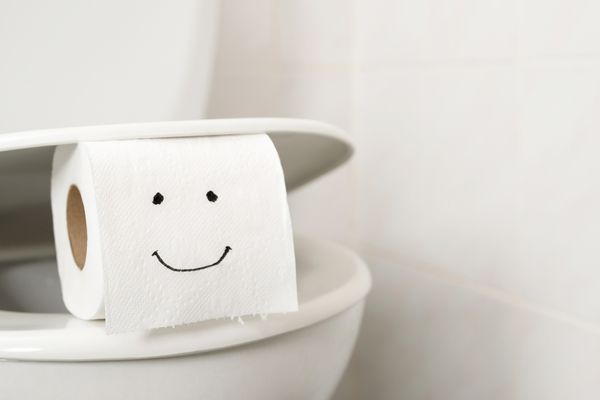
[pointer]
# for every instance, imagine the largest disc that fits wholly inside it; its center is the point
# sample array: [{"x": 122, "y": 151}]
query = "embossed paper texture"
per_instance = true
[{"x": 190, "y": 229}]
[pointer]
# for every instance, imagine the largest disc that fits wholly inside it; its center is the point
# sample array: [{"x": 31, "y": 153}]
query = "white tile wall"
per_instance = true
[
  {"x": 314, "y": 32},
  {"x": 559, "y": 214},
  {"x": 429, "y": 336},
  {"x": 473, "y": 193},
  {"x": 437, "y": 150},
  {"x": 558, "y": 28},
  {"x": 408, "y": 31}
]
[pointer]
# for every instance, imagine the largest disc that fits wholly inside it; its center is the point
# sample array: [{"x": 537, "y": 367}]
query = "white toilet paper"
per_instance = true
[{"x": 162, "y": 232}]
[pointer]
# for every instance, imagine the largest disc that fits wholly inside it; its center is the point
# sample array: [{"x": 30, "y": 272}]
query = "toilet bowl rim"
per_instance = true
[{"x": 65, "y": 338}]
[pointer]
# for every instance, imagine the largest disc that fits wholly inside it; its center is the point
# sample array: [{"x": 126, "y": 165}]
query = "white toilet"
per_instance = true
[
  {"x": 49, "y": 354},
  {"x": 45, "y": 353}
]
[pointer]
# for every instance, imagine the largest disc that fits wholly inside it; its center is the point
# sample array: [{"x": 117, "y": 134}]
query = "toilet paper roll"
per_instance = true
[{"x": 162, "y": 232}]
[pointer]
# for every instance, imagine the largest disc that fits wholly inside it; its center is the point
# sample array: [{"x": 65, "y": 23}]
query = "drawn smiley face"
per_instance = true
[{"x": 210, "y": 196}]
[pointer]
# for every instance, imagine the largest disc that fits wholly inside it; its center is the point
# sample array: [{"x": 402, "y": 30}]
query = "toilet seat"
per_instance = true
[
  {"x": 330, "y": 278},
  {"x": 307, "y": 149}
]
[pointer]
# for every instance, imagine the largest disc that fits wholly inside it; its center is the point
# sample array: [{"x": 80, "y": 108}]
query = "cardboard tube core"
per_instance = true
[{"x": 77, "y": 226}]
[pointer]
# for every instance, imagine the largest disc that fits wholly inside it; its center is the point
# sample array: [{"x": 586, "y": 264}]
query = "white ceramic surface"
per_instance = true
[
  {"x": 69, "y": 63},
  {"x": 305, "y": 364},
  {"x": 330, "y": 279},
  {"x": 307, "y": 149},
  {"x": 143, "y": 64},
  {"x": 296, "y": 356}
]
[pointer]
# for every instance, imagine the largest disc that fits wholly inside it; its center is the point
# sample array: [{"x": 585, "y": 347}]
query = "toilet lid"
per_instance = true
[
  {"x": 307, "y": 149},
  {"x": 330, "y": 279}
]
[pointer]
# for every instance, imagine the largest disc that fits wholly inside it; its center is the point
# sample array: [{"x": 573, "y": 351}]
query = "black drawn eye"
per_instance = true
[
  {"x": 158, "y": 198},
  {"x": 211, "y": 196}
]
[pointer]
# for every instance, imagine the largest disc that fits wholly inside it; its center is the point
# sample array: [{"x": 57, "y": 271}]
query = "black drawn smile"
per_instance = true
[{"x": 160, "y": 260}]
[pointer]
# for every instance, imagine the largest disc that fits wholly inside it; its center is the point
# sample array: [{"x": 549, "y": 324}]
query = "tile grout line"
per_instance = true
[{"x": 487, "y": 291}]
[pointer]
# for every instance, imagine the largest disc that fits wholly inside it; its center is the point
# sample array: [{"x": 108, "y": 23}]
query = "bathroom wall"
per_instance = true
[
  {"x": 480, "y": 120},
  {"x": 472, "y": 194}
]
